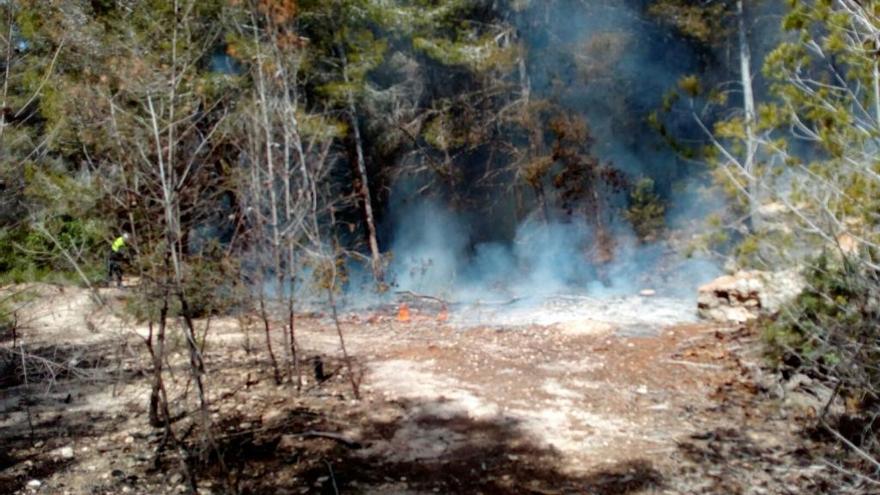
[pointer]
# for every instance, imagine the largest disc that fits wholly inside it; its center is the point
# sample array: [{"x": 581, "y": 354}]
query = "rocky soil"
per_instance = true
[{"x": 580, "y": 406}]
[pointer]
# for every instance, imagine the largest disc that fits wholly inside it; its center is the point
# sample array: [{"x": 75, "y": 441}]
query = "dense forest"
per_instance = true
[{"x": 280, "y": 160}]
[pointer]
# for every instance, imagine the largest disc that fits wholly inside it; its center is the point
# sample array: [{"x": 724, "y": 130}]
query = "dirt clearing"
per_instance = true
[{"x": 581, "y": 406}]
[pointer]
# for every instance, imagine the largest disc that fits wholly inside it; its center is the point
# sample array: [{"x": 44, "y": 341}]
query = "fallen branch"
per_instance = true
[
  {"x": 444, "y": 302},
  {"x": 849, "y": 472},
  {"x": 331, "y": 436},
  {"x": 52, "y": 368},
  {"x": 695, "y": 365},
  {"x": 332, "y": 477},
  {"x": 414, "y": 295},
  {"x": 855, "y": 448}
]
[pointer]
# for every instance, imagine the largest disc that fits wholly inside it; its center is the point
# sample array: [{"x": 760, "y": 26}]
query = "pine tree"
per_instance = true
[{"x": 715, "y": 24}]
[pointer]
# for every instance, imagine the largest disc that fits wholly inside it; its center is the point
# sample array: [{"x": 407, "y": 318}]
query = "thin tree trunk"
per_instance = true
[
  {"x": 292, "y": 140},
  {"x": 7, "y": 66},
  {"x": 542, "y": 203},
  {"x": 524, "y": 82},
  {"x": 745, "y": 61},
  {"x": 173, "y": 234},
  {"x": 361, "y": 168},
  {"x": 355, "y": 389},
  {"x": 265, "y": 317},
  {"x": 273, "y": 200},
  {"x": 291, "y": 316},
  {"x": 157, "y": 404},
  {"x": 290, "y": 272},
  {"x": 197, "y": 364},
  {"x": 877, "y": 91},
  {"x": 258, "y": 221}
]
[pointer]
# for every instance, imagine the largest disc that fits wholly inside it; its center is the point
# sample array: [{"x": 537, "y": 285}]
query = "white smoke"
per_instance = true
[{"x": 433, "y": 256}]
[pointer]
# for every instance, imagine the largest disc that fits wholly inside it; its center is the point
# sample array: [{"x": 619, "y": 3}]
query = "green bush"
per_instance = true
[
  {"x": 646, "y": 211},
  {"x": 51, "y": 214},
  {"x": 28, "y": 255}
]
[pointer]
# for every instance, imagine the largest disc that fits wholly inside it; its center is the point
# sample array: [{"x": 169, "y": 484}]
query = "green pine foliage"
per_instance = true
[{"x": 646, "y": 212}]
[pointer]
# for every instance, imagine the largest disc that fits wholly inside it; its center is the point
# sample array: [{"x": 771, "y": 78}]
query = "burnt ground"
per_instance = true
[{"x": 579, "y": 407}]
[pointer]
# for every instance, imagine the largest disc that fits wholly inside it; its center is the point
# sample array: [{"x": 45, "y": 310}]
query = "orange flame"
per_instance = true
[
  {"x": 443, "y": 316},
  {"x": 403, "y": 313}
]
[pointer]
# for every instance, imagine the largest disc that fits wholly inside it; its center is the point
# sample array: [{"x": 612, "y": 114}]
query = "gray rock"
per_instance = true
[
  {"x": 746, "y": 295},
  {"x": 65, "y": 452}
]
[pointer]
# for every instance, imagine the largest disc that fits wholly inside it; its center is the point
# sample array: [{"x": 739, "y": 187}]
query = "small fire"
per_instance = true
[
  {"x": 443, "y": 316},
  {"x": 403, "y": 313}
]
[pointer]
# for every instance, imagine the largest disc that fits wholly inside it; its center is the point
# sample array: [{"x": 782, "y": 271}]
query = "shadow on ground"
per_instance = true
[
  {"x": 37, "y": 394},
  {"x": 477, "y": 456}
]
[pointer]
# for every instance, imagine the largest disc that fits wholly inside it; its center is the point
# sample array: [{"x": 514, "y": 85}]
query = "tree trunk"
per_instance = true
[
  {"x": 877, "y": 92},
  {"x": 292, "y": 141},
  {"x": 352, "y": 379},
  {"x": 745, "y": 63},
  {"x": 361, "y": 169},
  {"x": 266, "y": 327},
  {"x": 524, "y": 81},
  {"x": 273, "y": 200},
  {"x": 158, "y": 412},
  {"x": 541, "y": 198}
]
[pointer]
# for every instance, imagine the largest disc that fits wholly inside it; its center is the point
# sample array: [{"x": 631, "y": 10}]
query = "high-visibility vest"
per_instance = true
[{"x": 118, "y": 244}]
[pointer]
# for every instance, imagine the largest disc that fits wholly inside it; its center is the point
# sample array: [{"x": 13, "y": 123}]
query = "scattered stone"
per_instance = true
[
  {"x": 288, "y": 443},
  {"x": 65, "y": 452},
  {"x": 585, "y": 327},
  {"x": 798, "y": 380},
  {"x": 272, "y": 417}
]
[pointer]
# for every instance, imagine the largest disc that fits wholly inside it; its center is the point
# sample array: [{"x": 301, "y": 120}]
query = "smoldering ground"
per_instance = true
[
  {"x": 611, "y": 63},
  {"x": 433, "y": 254}
]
